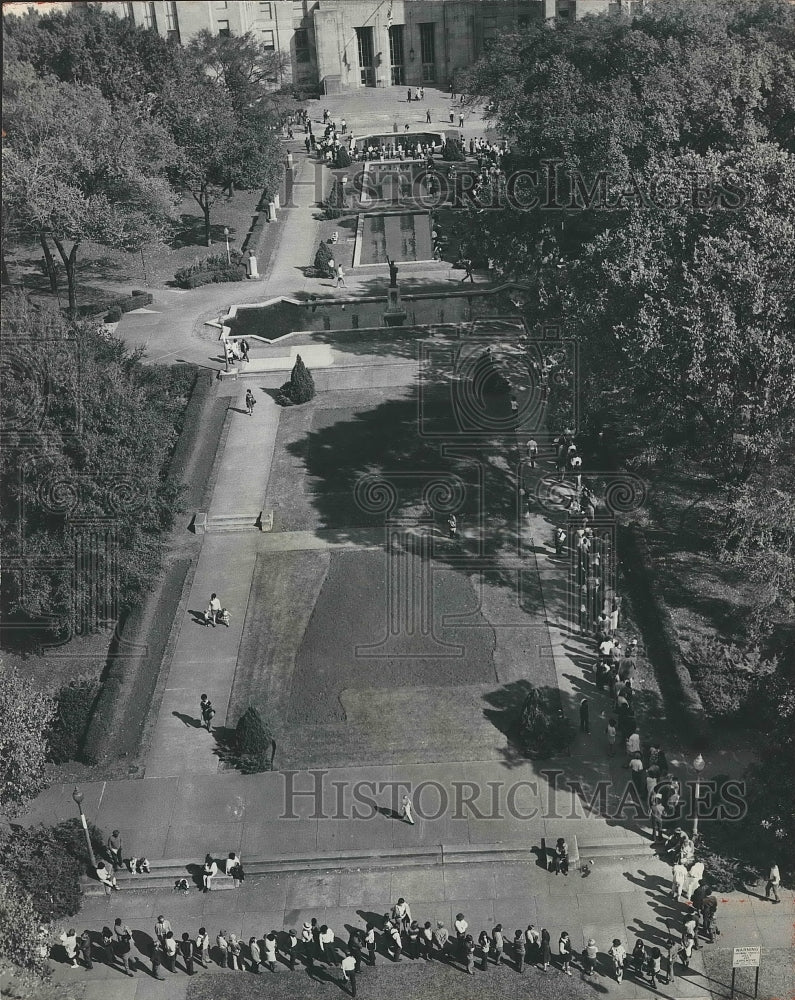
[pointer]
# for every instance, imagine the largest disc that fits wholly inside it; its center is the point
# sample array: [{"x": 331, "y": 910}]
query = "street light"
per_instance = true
[
  {"x": 226, "y": 234},
  {"x": 698, "y": 767},
  {"x": 77, "y": 795}
]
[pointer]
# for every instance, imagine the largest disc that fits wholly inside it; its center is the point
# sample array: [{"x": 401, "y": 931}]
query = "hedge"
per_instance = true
[
  {"x": 124, "y": 303},
  {"x": 213, "y": 277},
  {"x": 74, "y": 704}
]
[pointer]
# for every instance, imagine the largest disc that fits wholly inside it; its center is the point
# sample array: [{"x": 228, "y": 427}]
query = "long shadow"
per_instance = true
[{"x": 189, "y": 720}]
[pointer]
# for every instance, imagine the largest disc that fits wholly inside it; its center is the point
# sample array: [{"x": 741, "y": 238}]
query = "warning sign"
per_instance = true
[{"x": 746, "y": 958}]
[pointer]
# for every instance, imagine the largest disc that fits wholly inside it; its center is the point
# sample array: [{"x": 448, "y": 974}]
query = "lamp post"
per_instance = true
[
  {"x": 226, "y": 236},
  {"x": 77, "y": 795},
  {"x": 698, "y": 767}
]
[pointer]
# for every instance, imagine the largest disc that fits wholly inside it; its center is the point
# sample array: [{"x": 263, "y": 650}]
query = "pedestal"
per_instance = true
[{"x": 271, "y": 212}]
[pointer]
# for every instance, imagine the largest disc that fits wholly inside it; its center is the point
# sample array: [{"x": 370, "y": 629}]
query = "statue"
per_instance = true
[{"x": 393, "y": 272}]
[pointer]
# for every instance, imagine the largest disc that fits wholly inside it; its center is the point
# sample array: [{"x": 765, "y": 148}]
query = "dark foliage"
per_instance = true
[{"x": 73, "y": 710}]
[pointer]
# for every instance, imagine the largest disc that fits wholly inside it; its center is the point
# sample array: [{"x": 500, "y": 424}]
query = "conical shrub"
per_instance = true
[{"x": 302, "y": 385}]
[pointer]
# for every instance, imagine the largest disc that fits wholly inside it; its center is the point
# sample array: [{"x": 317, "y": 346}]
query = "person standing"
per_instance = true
[
  {"x": 452, "y": 116},
  {"x": 256, "y": 957},
  {"x": 107, "y": 946},
  {"x": 413, "y": 932},
  {"x": 162, "y": 927},
  {"x": 408, "y": 95},
  {"x": 326, "y": 944},
  {"x": 452, "y": 527},
  {"x": 585, "y": 718},
  {"x": 518, "y": 949},
  {"x": 564, "y": 949},
  {"x": 250, "y": 402},
  {"x": 203, "y": 947},
  {"x": 560, "y": 541},
  {"x": 340, "y": 277},
  {"x": 773, "y": 883},
  {"x": 221, "y": 948},
  {"x": 469, "y": 954},
  {"x": 401, "y": 914},
  {"x": 460, "y": 120},
  {"x": 532, "y": 945},
  {"x": 678, "y": 876},
  {"x": 498, "y": 944},
  {"x": 440, "y": 937},
  {"x": 690, "y": 932},
  {"x": 656, "y": 815},
  {"x": 370, "y": 944},
  {"x": 422, "y": 93},
  {"x": 426, "y": 941},
  {"x": 186, "y": 950},
  {"x": 84, "y": 944},
  {"x": 114, "y": 848},
  {"x": 484, "y": 944},
  {"x": 121, "y": 946},
  {"x": 638, "y": 958},
  {"x": 396, "y": 941},
  {"x": 348, "y": 966},
  {"x": 270, "y": 948},
  {"x": 546, "y": 950},
  {"x": 70, "y": 945},
  {"x": 655, "y": 963},
  {"x": 428, "y": 116},
  {"x": 157, "y": 961},
  {"x": 532, "y": 452},
  {"x": 672, "y": 951},
  {"x": 619, "y": 955},
  {"x": 292, "y": 948},
  {"x": 170, "y": 952}
]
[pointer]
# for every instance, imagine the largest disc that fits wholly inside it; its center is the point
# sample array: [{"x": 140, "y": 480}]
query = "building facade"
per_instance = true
[{"x": 342, "y": 45}]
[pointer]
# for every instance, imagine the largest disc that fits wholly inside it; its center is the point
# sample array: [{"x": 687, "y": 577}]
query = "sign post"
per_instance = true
[{"x": 746, "y": 958}]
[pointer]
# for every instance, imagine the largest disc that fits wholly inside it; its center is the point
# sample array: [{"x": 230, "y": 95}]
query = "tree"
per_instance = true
[
  {"x": 247, "y": 71},
  {"x": 84, "y": 469},
  {"x": 302, "y": 385},
  {"x": 254, "y": 744},
  {"x": 77, "y": 169},
  {"x": 27, "y": 714}
]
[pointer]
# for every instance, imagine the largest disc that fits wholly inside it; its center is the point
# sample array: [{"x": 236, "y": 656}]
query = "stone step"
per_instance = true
[{"x": 165, "y": 873}]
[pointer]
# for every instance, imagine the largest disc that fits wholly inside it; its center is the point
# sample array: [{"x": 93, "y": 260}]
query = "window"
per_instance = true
[
  {"x": 428, "y": 51},
  {"x": 172, "y": 21},
  {"x": 364, "y": 42},
  {"x": 267, "y": 39},
  {"x": 614, "y": 7},
  {"x": 301, "y": 40},
  {"x": 150, "y": 16},
  {"x": 396, "y": 54},
  {"x": 223, "y": 29},
  {"x": 266, "y": 11}
]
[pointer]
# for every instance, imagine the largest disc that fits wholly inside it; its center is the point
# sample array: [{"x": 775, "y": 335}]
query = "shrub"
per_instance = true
[
  {"x": 542, "y": 731},
  {"x": 343, "y": 158},
  {"x": 19, "y": 930},
  {"x": 726, "y": 676},
  {"x": 302, "y": 385},
  {"x": 323, "y": 256},
  {"x": 212, "y": 268},
  {"x": 72, "y": 713},
  {"x": 452, "y": 150},
  {"x": 48, "y": 862},
  {"x": 114, "y": 314},
  {"x": 124, "y": 304},
  {"x": 254, "y": 744}
]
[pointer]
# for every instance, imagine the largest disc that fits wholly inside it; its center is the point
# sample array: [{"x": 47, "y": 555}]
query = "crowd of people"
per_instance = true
[{"x": 399, "y": 935}]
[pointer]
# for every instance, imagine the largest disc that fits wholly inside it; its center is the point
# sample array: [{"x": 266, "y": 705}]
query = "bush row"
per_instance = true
[
  {"x": 213, "y": 277},
  {"x": 122, "y": 303}
]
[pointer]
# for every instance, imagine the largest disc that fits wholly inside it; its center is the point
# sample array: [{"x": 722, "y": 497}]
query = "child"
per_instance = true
[{"x": 224, "y": 617}]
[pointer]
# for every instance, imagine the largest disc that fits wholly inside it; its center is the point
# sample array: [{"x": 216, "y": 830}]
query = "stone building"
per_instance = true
[{"x": 342, "y": 45}]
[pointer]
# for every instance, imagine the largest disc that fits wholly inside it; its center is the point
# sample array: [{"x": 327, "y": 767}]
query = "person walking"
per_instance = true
[
  {"x": 250, "y": 402},
  {"x": 212, "y": 610},
  {"x": 340, "y": 277},
  {"x": 773, "y": 883},
  {"x": 709, "y": 909},
  {"x": 452, "y": 116},
  {"x": 560, "y": 541},
  {"x": 532, "y": 452},
  {"x": 693, "y": 880},
  {"x": 186, "y": 950},
  {"x": 469, "y": 272},
  {"x": 203, "y": 947},
  {"x": 349, "y": 970},
  {"x": 207, "y": 712},
  {"x": 618, "y": 953},
  {"x": 564, "y": 950},
  {"x": 452, "y": 527},
  {"x": 546, "y": 950},
  {"x": 585, "y": 717},
  {"x": 428, "y": 116}
]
